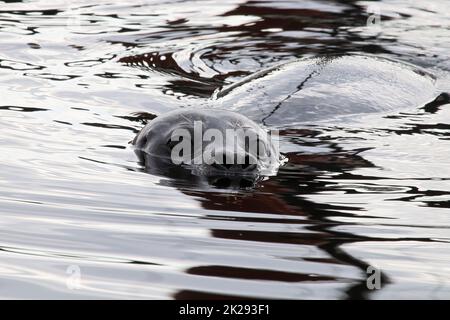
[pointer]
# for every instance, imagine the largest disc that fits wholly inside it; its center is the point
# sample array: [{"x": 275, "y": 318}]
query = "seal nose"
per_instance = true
[
  {"x": 227, "y": 182},
  {"x": 225, "y": 160}
]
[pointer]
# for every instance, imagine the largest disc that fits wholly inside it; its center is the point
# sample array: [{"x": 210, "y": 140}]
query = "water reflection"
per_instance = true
[{"x": 282, "y": 196}]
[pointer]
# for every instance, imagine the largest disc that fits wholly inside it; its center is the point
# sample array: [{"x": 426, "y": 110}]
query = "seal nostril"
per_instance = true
[
  {"x": 222, "y": 183},
  {"x": 245, "y": 183}
]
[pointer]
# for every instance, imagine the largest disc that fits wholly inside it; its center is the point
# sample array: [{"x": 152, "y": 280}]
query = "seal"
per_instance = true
[
  {"x": 311, "y": 90},
  {"x": 207, "y": 142}
]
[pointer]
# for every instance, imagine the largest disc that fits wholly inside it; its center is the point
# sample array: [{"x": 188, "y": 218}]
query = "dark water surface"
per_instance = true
[{"x": 79, "y": 218}]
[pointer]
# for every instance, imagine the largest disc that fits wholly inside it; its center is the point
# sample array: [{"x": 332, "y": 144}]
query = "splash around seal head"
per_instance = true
[{"x": 208, "y": 143}]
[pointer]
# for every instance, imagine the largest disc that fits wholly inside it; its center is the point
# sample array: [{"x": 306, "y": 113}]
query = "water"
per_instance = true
[{"x": 80, "y": 218}]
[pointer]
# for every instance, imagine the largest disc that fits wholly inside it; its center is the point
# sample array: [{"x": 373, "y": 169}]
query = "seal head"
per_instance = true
[{"x": 208, "y": 142}]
